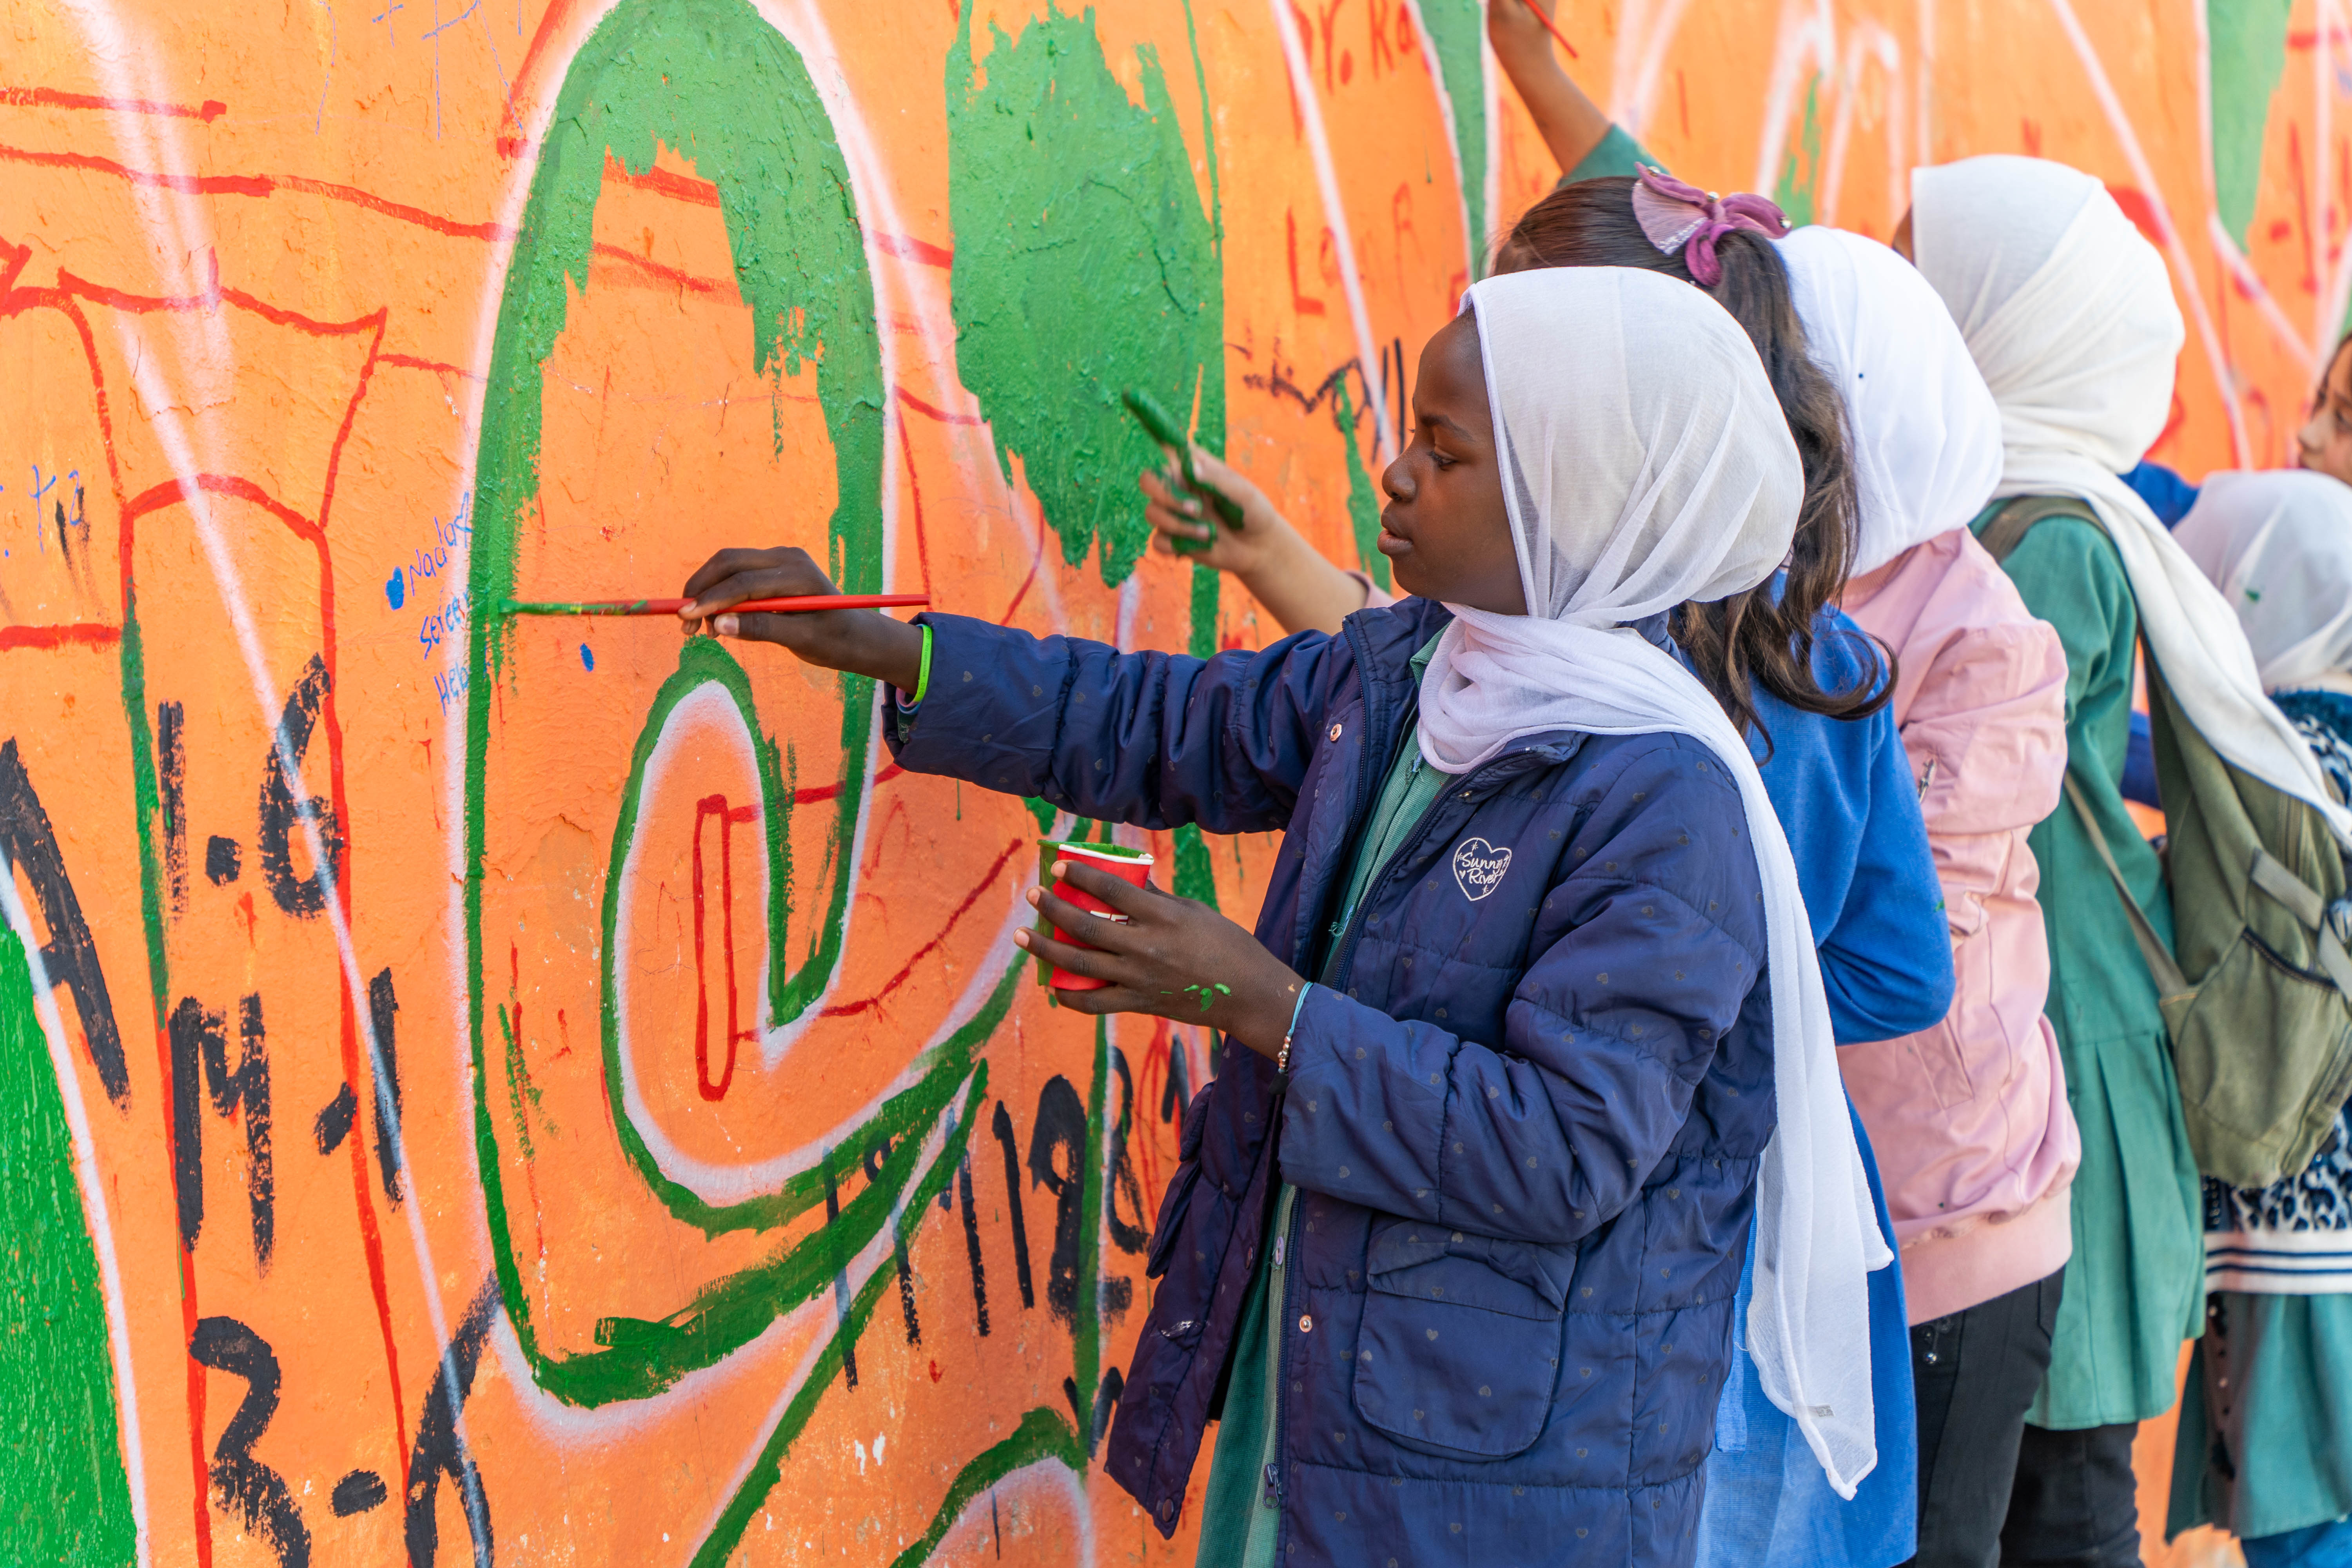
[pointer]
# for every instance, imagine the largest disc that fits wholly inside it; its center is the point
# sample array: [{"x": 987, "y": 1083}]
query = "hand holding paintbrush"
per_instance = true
[{"x": 862, "y": 641}]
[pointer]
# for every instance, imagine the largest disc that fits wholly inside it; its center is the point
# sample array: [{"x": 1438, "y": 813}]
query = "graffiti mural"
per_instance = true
[{"x": 485, "y": 1088}]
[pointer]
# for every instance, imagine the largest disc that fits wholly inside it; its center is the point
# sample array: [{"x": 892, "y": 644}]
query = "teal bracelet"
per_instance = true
[{"x": 923, "y": 675}]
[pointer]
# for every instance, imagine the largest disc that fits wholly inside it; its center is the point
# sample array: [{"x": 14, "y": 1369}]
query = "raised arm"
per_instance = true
[{"x": 1571, "y": 123}]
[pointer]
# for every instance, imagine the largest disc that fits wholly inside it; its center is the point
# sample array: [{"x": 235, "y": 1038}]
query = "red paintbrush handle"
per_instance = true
[
  {"x": 749, "y": 606},
  {"x": 1553, "y": 28}
]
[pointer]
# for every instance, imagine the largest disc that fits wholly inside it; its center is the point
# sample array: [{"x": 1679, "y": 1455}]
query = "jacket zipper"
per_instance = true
[{"x": 1285, "y": 1255}]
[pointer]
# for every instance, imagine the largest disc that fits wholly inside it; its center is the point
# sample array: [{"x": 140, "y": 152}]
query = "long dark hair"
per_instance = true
[{"x": 1748, "y": 636}]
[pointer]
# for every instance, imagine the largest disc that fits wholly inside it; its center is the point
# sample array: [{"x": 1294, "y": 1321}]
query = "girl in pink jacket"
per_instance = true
[{"x": 1970, "y": 1118}]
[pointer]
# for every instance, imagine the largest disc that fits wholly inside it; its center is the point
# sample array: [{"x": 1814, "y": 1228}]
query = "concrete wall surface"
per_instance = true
[{"x": 535, "y": 1091}]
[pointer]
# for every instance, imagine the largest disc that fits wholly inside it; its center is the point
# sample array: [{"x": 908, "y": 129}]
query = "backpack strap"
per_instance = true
[
  {"x": 2161, "y": 966},
  {"x": 2009, "y": 525},
  {"x": 2297, "y": 896}
]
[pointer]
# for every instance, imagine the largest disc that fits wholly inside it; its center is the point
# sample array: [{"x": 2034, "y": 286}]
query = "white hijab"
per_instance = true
[
  {"x": 2070, "y": 318},
  {"x": 1646, "y": 462},
  {"x": 2279, "y": 546},
  {"x": 1926, "y": 433}
]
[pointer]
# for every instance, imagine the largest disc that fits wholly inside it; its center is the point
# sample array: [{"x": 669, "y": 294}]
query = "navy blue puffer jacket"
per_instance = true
[{"x": 1526, "y": 1120}]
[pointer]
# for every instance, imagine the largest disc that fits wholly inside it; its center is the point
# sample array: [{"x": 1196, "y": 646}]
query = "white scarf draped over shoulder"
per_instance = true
[
  {"x": 2069, "y": 315},
  {"x": 1926, "y": 431},
  {"x": 2279, "y": 546},
  {"x": 1645, "y": 462}
]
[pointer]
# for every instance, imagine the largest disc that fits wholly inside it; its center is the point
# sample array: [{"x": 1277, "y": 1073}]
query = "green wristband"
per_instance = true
[{"x": 923, "y": 675}]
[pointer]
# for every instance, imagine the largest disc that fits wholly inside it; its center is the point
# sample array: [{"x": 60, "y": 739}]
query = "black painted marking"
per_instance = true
[
  {"x": 440, "y": 1451},
  {"x": 301, "y": 896},
  {"x": 1062, "y": 1124},
  {"x": 190, "y": 1029},
  {"x": 1003, "y": 1128},
  {"x": 971, "y": 1243},
  {"x": 334, "y": 1123},
  {"x": 200, "y": 1070},
  {"x": 258, "y": 1494},
  {"x": 849, "y": 1340},
  {"x": 224, "y": 860},
  {"x": 356, "y": 1493},
  {"x": 171, "y": 786},
  {"x": 1125, "y": 1237},
  {"x": 27, "y": 843},
  {"x": 384, "y": 1010}
]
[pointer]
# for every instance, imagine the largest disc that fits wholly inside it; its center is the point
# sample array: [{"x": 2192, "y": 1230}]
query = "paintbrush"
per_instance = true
[
  {"x": 1162, "y": 429},
  {"x": 1553, "y": 28},
  {"x": 794, "y": 605}
]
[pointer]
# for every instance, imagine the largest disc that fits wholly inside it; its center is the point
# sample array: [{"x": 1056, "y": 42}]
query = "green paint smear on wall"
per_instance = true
[
  {"x": 713, "y": 80},
  {"x": 1084, "y": 266},
  {"x": 1801, "y": 168},
  {"x": 1456, "y": 33},
  {"x": 2247, "y": 57},
  {"x": 63, "y": 1490},
  {"x": 1363, "y": 501}
]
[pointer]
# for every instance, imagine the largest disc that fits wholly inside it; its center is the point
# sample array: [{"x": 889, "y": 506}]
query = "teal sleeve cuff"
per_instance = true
[
  {"x": 1617, "y": 154},
  {"x": 1300, "y": 1006}
]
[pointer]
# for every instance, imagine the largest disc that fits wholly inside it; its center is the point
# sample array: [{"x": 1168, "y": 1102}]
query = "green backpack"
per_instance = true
[{"x": 2259, "y": 1000}]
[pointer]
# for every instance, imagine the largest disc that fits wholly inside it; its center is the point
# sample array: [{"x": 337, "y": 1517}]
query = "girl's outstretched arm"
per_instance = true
[{"x": 1152, "y": 739}]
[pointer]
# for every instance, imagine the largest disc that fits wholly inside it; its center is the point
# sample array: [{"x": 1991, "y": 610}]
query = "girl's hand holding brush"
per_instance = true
[{"x": 863, "y": 642}]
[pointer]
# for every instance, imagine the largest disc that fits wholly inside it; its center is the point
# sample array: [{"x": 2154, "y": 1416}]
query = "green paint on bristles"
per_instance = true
[
  {"x": 1154, "y": 419},
  {"x": 572, "y": 606}
]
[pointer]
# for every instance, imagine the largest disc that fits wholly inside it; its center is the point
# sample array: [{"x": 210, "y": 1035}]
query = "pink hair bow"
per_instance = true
[{"x": 1675, "y": 214}]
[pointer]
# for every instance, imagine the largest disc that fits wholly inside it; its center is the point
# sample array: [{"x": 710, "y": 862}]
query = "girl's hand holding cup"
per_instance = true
[{"x": 1175, "y": 958}]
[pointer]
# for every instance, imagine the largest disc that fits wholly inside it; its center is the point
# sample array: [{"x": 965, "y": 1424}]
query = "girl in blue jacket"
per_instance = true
[{"x": 1466, "y": 1220}]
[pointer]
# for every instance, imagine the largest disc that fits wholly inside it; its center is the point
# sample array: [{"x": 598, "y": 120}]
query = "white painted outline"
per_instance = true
[
  {"x": 1335, "y": 215},
  {"x": 176, "y": 228}
]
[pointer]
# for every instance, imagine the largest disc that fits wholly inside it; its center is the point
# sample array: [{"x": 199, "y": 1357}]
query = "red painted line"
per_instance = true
[
  {"x": 12, "y": 264},
  {"x": 510, "y": 140},
  {"x": 815, "y": 793},
  {"x": 915, "y": 492},
  {"x": 655, "y": 270},
  {"x": 1035, "y": 560},
  {"x": 941, "y": 415},
  {"x": 400, "y": 210},
  {"x": 411, "y": 361},
  {"x": 847, "y": 1009},
  {"x": 86, "y": 634},
  {"x": 209, "y": 110},
  {"x": 189, "y": 184},
  {"x": 907, "y": 247},
  {"x": 662, "y": 182}
]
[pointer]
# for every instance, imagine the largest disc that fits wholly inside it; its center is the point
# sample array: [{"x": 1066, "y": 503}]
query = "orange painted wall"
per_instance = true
[{"x": 256, "y": 270}]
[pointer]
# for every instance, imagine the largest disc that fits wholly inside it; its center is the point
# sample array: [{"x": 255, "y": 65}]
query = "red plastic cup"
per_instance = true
[{"x": 1131, "y": 869}]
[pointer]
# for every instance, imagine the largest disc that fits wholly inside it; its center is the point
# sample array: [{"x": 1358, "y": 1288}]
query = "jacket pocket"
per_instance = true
[
  {"x": 1174, "y": 1206},
  {"x": 1459, "y": 1349}
]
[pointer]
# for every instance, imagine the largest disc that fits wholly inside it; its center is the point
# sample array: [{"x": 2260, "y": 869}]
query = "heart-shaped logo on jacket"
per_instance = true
[{"x": 1479, "y": 866}]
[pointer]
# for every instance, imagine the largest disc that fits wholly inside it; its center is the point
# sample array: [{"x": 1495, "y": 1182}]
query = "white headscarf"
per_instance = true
[
  {"x": 1926, "y": 433},
  {"x": 1646, "y": 462},
  {"x": 2071, "y": 317},
  {"x": 2279, "y": 546}
]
